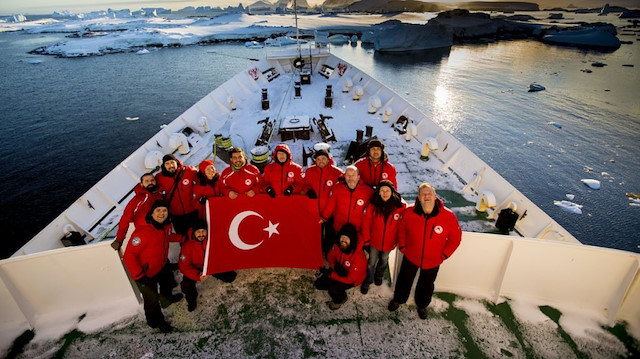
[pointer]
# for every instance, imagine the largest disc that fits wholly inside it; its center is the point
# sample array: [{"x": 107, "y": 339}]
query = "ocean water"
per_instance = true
[{"x": 63, "y": 126}]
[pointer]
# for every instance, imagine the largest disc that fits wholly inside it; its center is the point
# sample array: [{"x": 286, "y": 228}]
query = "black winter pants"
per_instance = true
[
  {"x": 149, "y": 289},
  {"x": 424, "y": 288}
]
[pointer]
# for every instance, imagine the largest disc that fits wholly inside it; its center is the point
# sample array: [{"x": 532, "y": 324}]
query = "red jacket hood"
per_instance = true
[{"x": 281, "y": 147}]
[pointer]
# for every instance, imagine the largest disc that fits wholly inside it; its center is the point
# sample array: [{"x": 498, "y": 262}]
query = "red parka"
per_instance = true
[
  {"x": 372, "y": 173},
  {"x": 179, "y": 188},
  {"x": 191, "y": 261},
  {"x": 146, "y": 253},
  {"x": 205, "y": 188},
  {"x": 136, "y": 210},
  {"x": 379, "y": 233},
  {"x": 281, "y": 176},
  {"x": 427, "y": 240},
  {"x": 347, "y": 206},
  {"x": 322, "y": 181},
  {"x": 355, "y": 263},
  {"x": 241, "y": 181}
]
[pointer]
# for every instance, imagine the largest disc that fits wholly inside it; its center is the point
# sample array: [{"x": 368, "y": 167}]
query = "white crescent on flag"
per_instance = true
[{"x": 233, "y": 230}]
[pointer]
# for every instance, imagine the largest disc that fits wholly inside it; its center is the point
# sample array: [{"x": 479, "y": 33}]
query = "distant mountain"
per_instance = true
[
  {"x": 394, "y": 5},
  {"x": 377, "y": 6},
  {"x": 338, "y": 4},
  {"x": 498, "y": 6}
]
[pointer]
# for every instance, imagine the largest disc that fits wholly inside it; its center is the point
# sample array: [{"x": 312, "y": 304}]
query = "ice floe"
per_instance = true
[
  {"x": 591, "y": 183},
  {"x": 569, "y": 206}
]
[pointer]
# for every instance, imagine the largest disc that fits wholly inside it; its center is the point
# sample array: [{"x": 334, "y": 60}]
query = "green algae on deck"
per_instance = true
[{"x": 459, "y": 318}]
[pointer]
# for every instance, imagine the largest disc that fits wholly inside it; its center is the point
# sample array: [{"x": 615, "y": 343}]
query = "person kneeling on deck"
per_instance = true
[
  {"x": 146, "y": 193},
  {"x": 347, "y": 267},
  {"x": 282, "y": 176},
  {"x": 240, "y": 177},
  {"x": 191, "y": 264},
  {"x": 428, "y": 234},
  {"x": 146, "y": 261},
  {"x": 177, "y": 181}
]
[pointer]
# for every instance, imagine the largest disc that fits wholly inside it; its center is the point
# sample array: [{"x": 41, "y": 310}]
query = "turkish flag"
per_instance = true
[{"x": 262, "y": 232}]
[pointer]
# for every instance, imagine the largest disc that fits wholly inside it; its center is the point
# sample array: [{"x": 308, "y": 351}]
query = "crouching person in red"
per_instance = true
[
  {"x": 347, "y": 267},
  {"x": 429, "y": 233},
  {"x": 191, "y": 264},
  {"x": 146, "y": 261}
]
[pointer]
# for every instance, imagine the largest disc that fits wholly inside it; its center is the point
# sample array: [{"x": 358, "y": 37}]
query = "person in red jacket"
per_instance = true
[
  {"x": 146, "y": 260},
  {"x": 320, "y": 178},
  {"x": 191, "y": 264},
  {"x": 207, "y": 186},
  {"x": 348, "y": 201},
  {"x": 240, "y": 177},
  {"x": 347, "y": 267},
  {"x": 380, "y": 230},
  {"x": 376, "y": 166},
  {"x": 282, "y": 176},
  {"x": 146, "y": 193},
  {"x": 177, "y": 182},
  {"x": 429, "y": 233},
  {"x": 319, "y": 181}
]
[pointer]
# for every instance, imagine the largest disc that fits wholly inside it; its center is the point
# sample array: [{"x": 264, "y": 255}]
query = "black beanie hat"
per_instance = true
[
  {"x": 375, "y": 143},
  {"x": 169, "y": 157},
  {"x": 321, "y": 152},
  {"x": 200, "y": 225}
]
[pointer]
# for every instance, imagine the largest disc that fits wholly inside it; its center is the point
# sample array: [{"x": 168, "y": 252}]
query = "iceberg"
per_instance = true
[
  {"x": 591, "y": 183},
  {"x": 534, "y": 87},
  {"x": 569, "y": 206},
  {"x": 590, "y": 37},
  {"x": 412, "y": 37}
]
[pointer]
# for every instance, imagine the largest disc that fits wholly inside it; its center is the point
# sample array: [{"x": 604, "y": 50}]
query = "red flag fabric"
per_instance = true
[{"x": 262, "y": 232}]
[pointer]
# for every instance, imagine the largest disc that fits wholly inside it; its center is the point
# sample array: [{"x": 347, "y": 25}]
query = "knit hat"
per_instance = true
[
  {"x": 204, "y": 164},
  {"x": 350, "y": 231},
  {"x": 169, "y": 157},
  {"x": 321, "y": 152},
  {"x": 375, "y": 143}
]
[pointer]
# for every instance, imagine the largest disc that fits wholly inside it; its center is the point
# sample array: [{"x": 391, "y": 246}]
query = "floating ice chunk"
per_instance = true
[
  {"x": 132, "y": 118},
  {"x": 591, "y": 183},
  {"x": 588, "y": 169},
  {"x": 554, "y": 124},
  {"x": 35, "y": 61},
  {"x": 570, "y": 196},
  {"x": 569, "y": 206},
  {"x": 534, "y": 87},
  {"x": 338, "y": 39},
  {"x": 605, "y": 174},
  {"x": 598, "y": 64},
  {"x": 142, "y": 52},
  {"x": 253, "y": 45}
]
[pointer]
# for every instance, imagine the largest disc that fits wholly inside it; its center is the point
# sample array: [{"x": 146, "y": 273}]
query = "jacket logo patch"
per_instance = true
[
  {"x": 182, "y": 258},
  {"x": 247, "y": 182},
  {"x": 290, "y": 175},
  {"x": 185, "y": 182},
  {"x": 329, "y": 183},
  {"x": 360, "y": 202},
  {"x": 438, "y": 229},
  {"x": 347, "y": 264},
  {"x": 396, "y": 216},
  {"x": 385, "y": 175},
  {"x": 135, "y": 241}
]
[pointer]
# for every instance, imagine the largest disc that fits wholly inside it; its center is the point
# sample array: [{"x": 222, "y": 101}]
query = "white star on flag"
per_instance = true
[{"x": 273, "y": 228}]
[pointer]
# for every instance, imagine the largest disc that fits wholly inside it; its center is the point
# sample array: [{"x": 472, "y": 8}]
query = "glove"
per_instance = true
[
  {"x": 202, "y": 200},
  {"x": 311, "y": 194},
  {"x": 340, "y": 270},
  {"x": 288, "y": 191},
  {"x": 271, "y": 192},
  {"x": 116, "y": 245}
]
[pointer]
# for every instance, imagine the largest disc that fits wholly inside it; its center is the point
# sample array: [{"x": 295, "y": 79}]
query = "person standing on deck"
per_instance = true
[
  {"x": 177, "y": 181},
  {"x": 207, "y": 186},
  {"x": 146, "y": 193},
  {"x": 191, "y": 264},
  {"x": 429, "y": 233},
  {"x": 380, "y": 231},
  {"x": 376, "y": 166},
  {"x": 347, "y": 267},
  {"x": 282, "y": 176},
  {"x": 240, "y": 177},
  {"x": 319, "y": 181},
  {"x": 348, "y": 201},
  {"x": 146, "y": 260}
]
